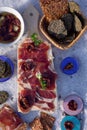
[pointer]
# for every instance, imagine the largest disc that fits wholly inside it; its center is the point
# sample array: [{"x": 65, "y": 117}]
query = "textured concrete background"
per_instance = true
[{"x": 76, "y": 83}]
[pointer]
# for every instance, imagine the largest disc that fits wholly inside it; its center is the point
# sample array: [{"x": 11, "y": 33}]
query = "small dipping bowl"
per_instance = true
[
  {"x": 73, "y": 105},
  {"x": 74, "y": 120},
  {"x": 69, "y": 66},
  {"x": 9, "y": 61}
]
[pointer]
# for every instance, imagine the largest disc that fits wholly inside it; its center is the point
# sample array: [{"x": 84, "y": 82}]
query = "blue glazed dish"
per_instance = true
[
  {"x": 72, "y": 119},
  {"x": 6, "y": 59},
  {"x": 66, "y": 62}
]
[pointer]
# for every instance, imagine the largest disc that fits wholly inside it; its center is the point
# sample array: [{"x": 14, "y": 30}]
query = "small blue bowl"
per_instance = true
[
  {"x": 74, "y": 120},
  {"x": 73, "y": 62},
  {"x": 6, "y": 59}
]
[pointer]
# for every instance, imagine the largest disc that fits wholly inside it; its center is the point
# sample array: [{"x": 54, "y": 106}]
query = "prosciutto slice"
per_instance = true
[
  {"x": 9, "y": 120},
  {"x": 26, "y": 99},
  {"x": 36, "y": 77}
]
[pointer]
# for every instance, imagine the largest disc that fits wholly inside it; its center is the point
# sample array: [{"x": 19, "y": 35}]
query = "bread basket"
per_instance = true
[{"x": 43, "y": 24}]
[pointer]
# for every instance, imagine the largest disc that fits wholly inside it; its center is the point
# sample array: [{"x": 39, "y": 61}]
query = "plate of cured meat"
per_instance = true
[{"x": 36, "y": 76}]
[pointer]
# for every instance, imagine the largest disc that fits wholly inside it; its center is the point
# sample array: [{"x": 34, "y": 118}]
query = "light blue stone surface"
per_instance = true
[{"x": 76, "y": 83}]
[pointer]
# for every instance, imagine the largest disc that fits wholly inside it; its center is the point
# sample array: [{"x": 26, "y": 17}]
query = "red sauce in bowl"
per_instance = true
[{"x": 10, "y": 27}]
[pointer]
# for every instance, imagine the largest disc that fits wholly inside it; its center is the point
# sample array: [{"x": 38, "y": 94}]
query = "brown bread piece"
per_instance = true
[
  {"x": 44, "y": 122},
  {"x": 45, "y": 125},
  {"x": 54, "y": 9},
  {"x": 22, "y": 127},
  {"x": 48, "y": 119},
  {"x": 74, "y": 7},
  {"x": 78, "y": 24},
  {"x": 36, "y": 124}
]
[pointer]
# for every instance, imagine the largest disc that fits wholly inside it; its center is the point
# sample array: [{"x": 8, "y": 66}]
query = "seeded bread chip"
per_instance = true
[
  {"x": 45, "y": 125},
  {"x": 22, "y": 127},
  {"x": 68, "y": 20},
  {"x": 69, "y": 39},
  {"x": 74, "y": 7},
  {"x": 44, "y": 122},
  {"x": 78, "y": 24},
  {"x": 54, "y": 9},
  {"x": 36, "y": 124},
  {"x": 48, "y": 119},
  {"x": 57, "y": 29}
]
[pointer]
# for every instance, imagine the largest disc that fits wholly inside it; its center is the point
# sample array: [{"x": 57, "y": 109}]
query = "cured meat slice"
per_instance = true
[
  {"x": 46, "y": 94},
  {"x": 29, "y": 51},
  {"x": 36, "y": 77},
  {"x": 28, "y": 70},
  {"x": 45, "y": 106},
  {"x": 9, "y": 120},
  {"x": 26, "y": 99},
  {"x": 49, "y": 76},
  {"x": 42, "y": 99}
]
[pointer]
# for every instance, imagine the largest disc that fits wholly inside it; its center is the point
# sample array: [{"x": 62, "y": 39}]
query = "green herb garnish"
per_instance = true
[
  {"x": 43, "y": 82},
  {"x": 35, "y": 39}
]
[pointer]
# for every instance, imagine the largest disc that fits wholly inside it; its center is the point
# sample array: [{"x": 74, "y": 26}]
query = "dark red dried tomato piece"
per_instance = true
[
  {"x": 73, "y": 105},
  {"x": 8, "y": 26},
  {"x": 69, "y": 125}
]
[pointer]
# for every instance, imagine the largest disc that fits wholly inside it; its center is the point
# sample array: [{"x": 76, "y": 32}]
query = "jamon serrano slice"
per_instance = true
[
  {"x": 26, "y": 99},
  {"x": 9, "y": 120},
  {"x": 37, "y": 88}
]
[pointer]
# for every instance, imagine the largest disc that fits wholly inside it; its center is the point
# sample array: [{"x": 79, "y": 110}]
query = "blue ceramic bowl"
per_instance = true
[
  {"x": 6, "y": 59},
  {"x": 72, "y": 119},
  {"x": 73, "y": 62}
]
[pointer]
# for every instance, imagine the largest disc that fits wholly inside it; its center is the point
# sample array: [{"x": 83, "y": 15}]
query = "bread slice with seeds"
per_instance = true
[
  {"x": 54, "y": 9},
  {"x": 36, "y": 124}
]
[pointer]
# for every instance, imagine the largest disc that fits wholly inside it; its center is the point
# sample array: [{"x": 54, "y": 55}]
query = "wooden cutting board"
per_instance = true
[{"x": 31, "y": 19}]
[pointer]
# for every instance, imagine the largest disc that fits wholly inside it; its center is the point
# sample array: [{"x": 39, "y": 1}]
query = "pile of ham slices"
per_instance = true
[
  {"x": 9, "y": 120},
  {"x": 36, "y": 77}
]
